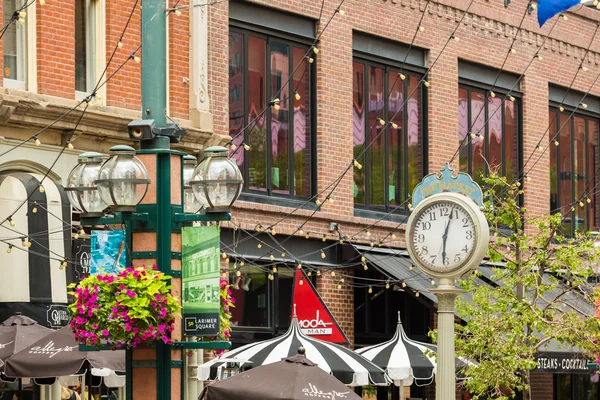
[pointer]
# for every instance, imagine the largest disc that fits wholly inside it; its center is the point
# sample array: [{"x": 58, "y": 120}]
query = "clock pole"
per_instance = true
[{"x": 445, "y": 382}]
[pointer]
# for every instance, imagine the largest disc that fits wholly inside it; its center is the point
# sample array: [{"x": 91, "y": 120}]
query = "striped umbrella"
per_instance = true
[
  {"x": 347, "y": 366},
  {"x": 406, "y": 360}
]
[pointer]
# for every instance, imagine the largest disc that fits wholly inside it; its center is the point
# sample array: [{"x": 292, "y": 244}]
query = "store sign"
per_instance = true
[
  {"x": 447, "y": 180},
  {"x": 314, "y": 317},
  {"x": 57, "y": 316},
  {"x": 201, "y": 280},
  {"x": 562, "y": 363}
]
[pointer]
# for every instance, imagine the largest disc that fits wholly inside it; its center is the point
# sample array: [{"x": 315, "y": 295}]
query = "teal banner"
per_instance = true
[
  {"x": 447, "y": 180},
  {"x": 201, "y": 280}
]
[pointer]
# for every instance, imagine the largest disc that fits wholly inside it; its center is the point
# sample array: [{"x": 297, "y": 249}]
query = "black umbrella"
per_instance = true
[
  {"x": 292, "y": 378},
  {"x": 18, "y": 332},
  {"x": 58, "y": 354}
]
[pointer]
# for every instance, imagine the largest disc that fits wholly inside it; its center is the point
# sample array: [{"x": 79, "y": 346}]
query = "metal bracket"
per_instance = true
[
  {"x": 175, "y": 273},
  {"x": 143, "y": 364},
  {"x": 181, "y": 217},
  {"x": 176, "y": 364},
  {"x": 117, "y": 219},
  {"x": 136, "y": 255},
  {"x": 176, "y": 255},
  {"x": 215, "y": 345}
]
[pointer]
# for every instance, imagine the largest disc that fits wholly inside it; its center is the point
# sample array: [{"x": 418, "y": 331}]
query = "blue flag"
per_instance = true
[{"x": 549, "y": 8}]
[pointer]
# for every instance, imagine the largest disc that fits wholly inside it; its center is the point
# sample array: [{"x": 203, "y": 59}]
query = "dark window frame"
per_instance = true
[
  {"x": 291, "y": 40},
  {"x": 386, "y": 212},
  {"x": 586, "y": 116},
  {"x": 471, "y": 86}
]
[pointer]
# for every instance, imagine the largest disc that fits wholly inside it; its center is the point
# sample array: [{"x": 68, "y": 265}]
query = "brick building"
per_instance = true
[{"x": 367, "y": 67}]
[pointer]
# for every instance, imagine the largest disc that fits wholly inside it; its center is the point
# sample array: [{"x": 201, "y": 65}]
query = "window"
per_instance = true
[
  {"x": 85, "y": 29},
  {"x": 499, "y": 140},
  {"x": 574, "y": 386},
  {"x": 260, "y": 302},
  {"x": 573, "y": 165},
  {"x": 395, "y": 159},
  {"x": 280, "y": 161},
  {"x": 15, "y": 47}
]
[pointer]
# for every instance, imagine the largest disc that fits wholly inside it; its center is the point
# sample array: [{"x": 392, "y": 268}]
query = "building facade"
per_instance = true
[{"x": 332, "y": 140}]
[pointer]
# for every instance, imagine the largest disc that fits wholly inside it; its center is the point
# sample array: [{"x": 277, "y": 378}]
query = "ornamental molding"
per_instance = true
[{"x": 492, "y": 27}]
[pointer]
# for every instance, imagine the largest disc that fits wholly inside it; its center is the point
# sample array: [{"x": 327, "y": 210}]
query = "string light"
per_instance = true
[
  {"x": 410, "y": 267},
  {"x": 417, "y": 294},
  {"x": 307, "y": 236},
  {"x": 454, "y": 37},
  {"x": 583, "y": 68},
  {"x": 283, "y": 254},
  {"x": 330, "y": 199},
  {"x": 259, "y": 245},
  {"x": 581, "y": 204},
  {"x": 246, "y": 146},
  {"x": 258, "y": 228},
  {"x": 310, "y": 59},
  {"x": 297, "y": 95},
  {"x": 537, "y": 55},
  {"x": 421, "y": 28},
  {"x": 394, "y": 125},
  {"x": 365, "y": 266},
  {"x": 274, "y": 269},
  {"x": 21, "y": 21},
  {"x": 242, "y": 263},
  {"x": 232, "y": 146},
  {"x": 301, "y": 281},
  {"x": 70, "y": 146},
  {"x": 588, "y": 200},
  {"x": 401, "y": 75},
  {"x": 561, "y": 108},
  {"x": 271, "y": 277},
  {"x": 271, "y": 257},
  {"x": 342, "y": 280},
  {"x": 381, "y": 121},
  {"x": 178, "y": 13},
  {"x": 37, "y": 141},
  {"x": 24, "y": 242},
  {"x": 227, "y": 260},
  {"x": 511, "y": 98},
  {"x": 238, "y": 273},
  {"x": 564, "y": 17},
  {"x": 556, "y": 142},
  {"x": 11, "y": 221},
  {"x": 370, "y": 289},
  {"x": 513, "y": 50},
  {"x": 340, "y": 11},
  {"x": 403, "y": 284},
  {"x": 332, "y": 273},
  {"x": 538, "y": 147},
  {"x": 426, "y": 83},
  {"x": 76, "y": 236},
  {"x": 300, "y": 230},
  {"x": 324, "y": 239},
  {"x": 42, "y": 2},
  {"x": 273, "y": 231},
  {"x": 357, "y": 164},
  {"x": 363, "y": 259},
  {"x": 275, "y": 104},
  {"x": 393, "y": 236},
  {"x": 34, "y": 209},
  {"x": 63, "y": 265},
  {"x": 42, "y": 190},
  {"x": 341, "y": 241},
  {"x": 9, "y": 249},
  {"x": 323, "y": 254},
  {"x": 432, "y": 282},
  {"x": 318, "y": 272},
  {"x": 387, "y": 284},
  {"x": 527, "y": 178},
  {"x": 584, "y": 106},
  {"x": 339, "y": 286},
  {"x": 316, "y": 50},
  {"x": 299, "y": 266},
  {"x": 367, "y": 233},
  {"x": 137, "y": 59},
  {"x": 492, "y": 94},
  {"x": 533, "y": 6},
  {"x": 318, "y": 202},
  {"x": 372, "y": 244},
  {"x": 309, "y": 273},
  {"x": 120, "y": 44}
]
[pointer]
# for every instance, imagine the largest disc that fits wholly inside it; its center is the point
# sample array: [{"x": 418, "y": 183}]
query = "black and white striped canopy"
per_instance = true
[
  {"x": 347, "y": 366},
  {"x": 406, "y": 360}
]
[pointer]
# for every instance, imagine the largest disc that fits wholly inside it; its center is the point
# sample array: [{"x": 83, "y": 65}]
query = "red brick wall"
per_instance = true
[
  {"x": 124, "y": 89},
  {"x": 179, "y": 64},
  {"x": 56, "y": 49},
  {"x": 340, "y": 301}
]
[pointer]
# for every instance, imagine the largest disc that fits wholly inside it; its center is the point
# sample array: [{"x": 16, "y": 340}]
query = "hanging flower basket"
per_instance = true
[{"x": 132, "y": 309}]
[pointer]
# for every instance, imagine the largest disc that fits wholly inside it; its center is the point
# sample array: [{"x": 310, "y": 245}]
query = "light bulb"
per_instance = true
[
  {"x": 42, "y": 2},
  {"x": 583, "y": 105},
  {"x": 271, "y": 258},
  {"x": 227, "y": 260},
  {"x": 309, "y": 273},
  {"x": 393, "y": 236},
  {"x": 387, "y": 285},
  {"x": 21, "y": 21},
  {"x": 316, "y": 50},
  {"x": 588, "y": 200},
  {"x": 511, "y": 98},
  {"x": 274, "y": 269},
  {"x": 561, "y": 108},
  {"x": 403, "y": 284},
  {"x": 70, "y": 146},
  {"x": 401, "y": 75},
  {"x": 426, "y": 83},
  {"x": 42, "y": 190},
  {"x": 417, "y": 294},
  {"x": 365, "y": 267},
  {"x": 324, "y": 238},
  {"x": 283, "y": 254},
  {"x": 120, "y": 44},
  {"x": 584, "y": 69},
  {"x": 513, "y": 50},
  {"x": 24, "y": 242},
  {"x": 28, "y": 244},
  {"x": 372, "y": 243},
  {"x": 381, "y": 121},
  {"x": 432, "y": 282},
  {"x": 11, "y": 222},
  {"x": 394, "y": 125},
  {"x": 367, "y": 233},
  {"x": 564, "y": 17},
  {"x": 307, "y": 236},
  {"x": 232, "y": 146},
  {"x": 178, "y": 13},
  {"x": 242, "y": 263},
  {"x": 492, "y": 94},
  {"x": 297, "y": 95},
  {"x": 273, "y": 232},
  {"x": 339, "y": 286},
  {"x": 34, "y": 209},
  {"x": 533, "y": 6},
  {"x": 363, "y": 259},
  {"x": 63, "y": 265},
  {"x": 596, "y": 2},
  {"x": 527, "y": 178},
  {"x": 332, "y": 273},
  {"x": 318, "y": 202},
  {"x": 370, "y": 289},
  {"x": 581, "y": 204},
  {"x": 259, "y": 245},
  {"x": 311, "y": 60},
  {"x": 538, "y": 147},
  {"x": 300, "y": 231},
  {"x": 299, "y": 266},
  {"x": 341, "y": 12},
  {"x": 342, "y": 280},
  {"x": 76, "y": 236},
  {"x": 82, "y": 231},
  {"x": 238, "y": 273},
  {"x": 572, "y": 208},
  {"x": 539, "y": 57},
  {"x": 137, "y": 59},
  {"x": 301, "y": 282},
  {"x": 318, "y": 272},
  {"x": 421, "y": 28},
  {"x": 246, "y": 147},
  {"x": 456, "y": 39},
  {"x": 22, "y": 14},
  {"x": 258, "y": 228},
  {"x": 357, "y": 164},
  {"x": 323, "y": 254},
  {"x": 37, "y": 141},
  {"x": 410, "y": 267},
  {"x": 556, "y": 142},
  {"x": 271, "y": 277},
  {"x": 9, "y": 249}
]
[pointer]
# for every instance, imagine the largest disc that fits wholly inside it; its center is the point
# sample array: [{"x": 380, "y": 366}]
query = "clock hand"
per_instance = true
[{"x": 445, "y": 237}]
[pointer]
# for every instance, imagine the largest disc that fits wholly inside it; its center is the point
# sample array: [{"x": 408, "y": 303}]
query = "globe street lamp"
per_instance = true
[
  {"x": 122, "y": 179},
  {"x": 191, "y": 205},
  {"x": 217, "y": 180},
  {"x": 81, "y": 186}
]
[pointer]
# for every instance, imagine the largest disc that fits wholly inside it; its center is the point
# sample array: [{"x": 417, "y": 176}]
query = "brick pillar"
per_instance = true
[
  {"x": 542, "y": 386},
  {"x": 56, "y": 50},
  {"x": 339, "y": 301},
  {"x": 145, "y": 379}
]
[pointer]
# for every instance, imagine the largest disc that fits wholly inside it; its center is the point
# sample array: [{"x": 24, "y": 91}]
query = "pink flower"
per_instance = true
[{"x": 105, "y": 332}]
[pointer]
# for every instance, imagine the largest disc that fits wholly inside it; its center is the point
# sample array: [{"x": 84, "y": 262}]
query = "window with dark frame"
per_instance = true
[
  {"x": 394, "y": 162},
  {"x": 280, "y": 160},
  {"x": 574, "y": 155},
  {"x": 496, "y": 120}
]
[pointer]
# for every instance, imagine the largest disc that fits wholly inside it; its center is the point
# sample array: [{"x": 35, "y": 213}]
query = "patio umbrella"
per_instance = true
[
  {"x": 347, "y": 366},
  {"x": 18, "y": 332},
  {"x": 58, "y": 354},
  {"x": 406, "y": 360},
  {"x": 292, "y": 378}
]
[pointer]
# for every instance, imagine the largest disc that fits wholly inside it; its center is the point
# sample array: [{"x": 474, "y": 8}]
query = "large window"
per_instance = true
[
  {"x": 15, "y": 48},
  {"x": 575, "y": 386},
  {"x": 85, "y": 29},
  {"x": 496, "y": 120},
  {"x": 394, "y": 161},
  {"x": 573, "y": 169},
  {"x": 260, "y": 302},
  {"x": 280, "y": 161}
]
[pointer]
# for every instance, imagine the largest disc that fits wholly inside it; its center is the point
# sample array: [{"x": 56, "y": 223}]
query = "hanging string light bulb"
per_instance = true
[{"x": 9, "y": 249}]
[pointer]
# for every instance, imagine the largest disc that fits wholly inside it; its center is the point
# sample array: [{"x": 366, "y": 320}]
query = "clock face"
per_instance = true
[{"x": 444, "y": 235}]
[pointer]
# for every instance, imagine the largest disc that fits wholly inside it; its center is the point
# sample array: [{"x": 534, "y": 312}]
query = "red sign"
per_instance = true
[{"x": 314, "y": 317}]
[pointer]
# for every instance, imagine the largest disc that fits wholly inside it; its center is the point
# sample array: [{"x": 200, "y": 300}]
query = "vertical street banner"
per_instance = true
[
  {"x": 201, "y": 280},
  {"x": 314, "y": 316},
  {"x": 108, "y": 252}
]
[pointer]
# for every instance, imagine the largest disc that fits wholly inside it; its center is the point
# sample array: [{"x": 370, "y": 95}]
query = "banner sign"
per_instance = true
[
  {"x": 447, "y": 180},
  {"x": 314, "y": 317},
  {"x": 201, "y": 280},
  {"x": 57, "y": 316},
  {"x": 108, "y": 253},
  {"x": 556, "y": 362}
]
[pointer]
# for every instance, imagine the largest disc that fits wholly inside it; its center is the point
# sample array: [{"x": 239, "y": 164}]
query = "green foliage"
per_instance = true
[{"x": 504, "y": 326}]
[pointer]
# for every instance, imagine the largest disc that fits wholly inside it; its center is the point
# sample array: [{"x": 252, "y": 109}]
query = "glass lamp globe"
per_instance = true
[
  {"x": 191, "y": 205},
  {"x": 123, "y": 179},
  {"x": 217, "y": 180},
  {"x": 81, "y": 185}
]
